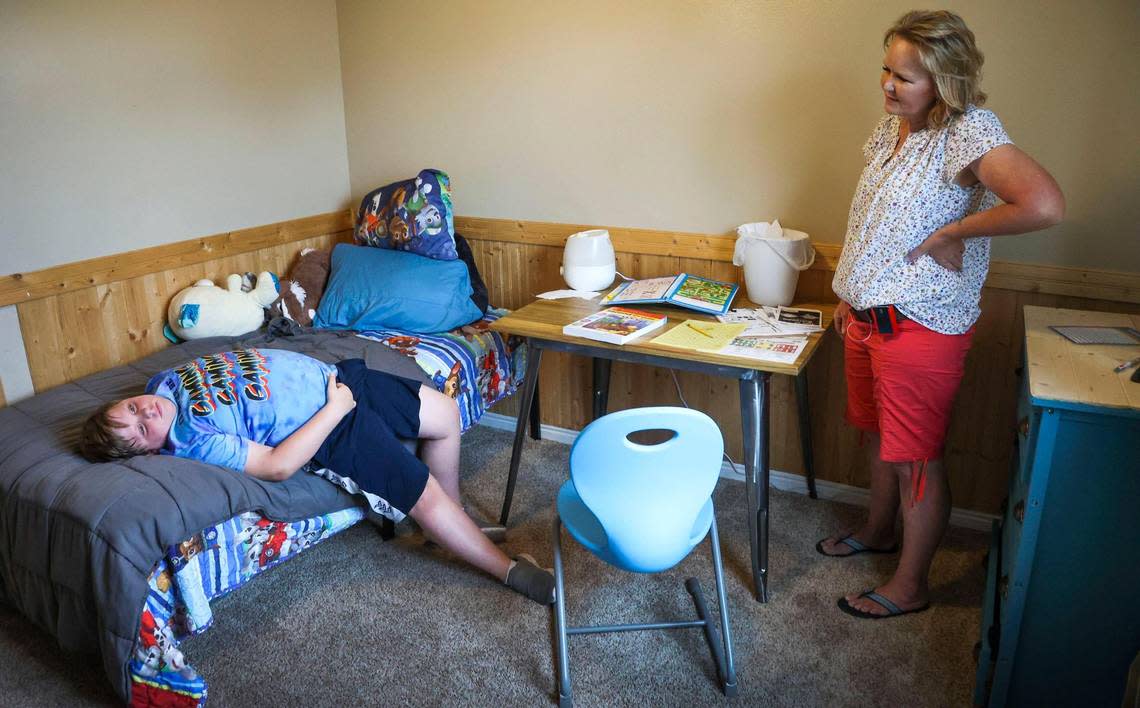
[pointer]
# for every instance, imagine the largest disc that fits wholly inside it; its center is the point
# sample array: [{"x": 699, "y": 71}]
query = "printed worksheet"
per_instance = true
[
  {"x": 783, "y": 350},
  {"x": 760, "y": 314}
]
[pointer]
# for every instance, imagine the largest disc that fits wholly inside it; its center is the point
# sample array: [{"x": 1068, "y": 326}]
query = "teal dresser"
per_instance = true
[{"x": 1061, "y": 614}]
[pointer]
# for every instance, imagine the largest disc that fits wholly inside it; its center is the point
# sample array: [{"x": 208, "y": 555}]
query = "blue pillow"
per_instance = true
[
  {"x": 370, "y": 288},
  {"x": 410, "y": 215}
]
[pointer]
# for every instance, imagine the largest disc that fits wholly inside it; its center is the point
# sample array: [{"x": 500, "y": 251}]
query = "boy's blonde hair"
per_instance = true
[
  {"x": 947, "y": 50},
  {"x": 98, "y": 441}
]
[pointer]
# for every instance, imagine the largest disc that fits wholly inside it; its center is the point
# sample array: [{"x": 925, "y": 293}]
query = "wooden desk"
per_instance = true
[{"x": 541, "y": 323}]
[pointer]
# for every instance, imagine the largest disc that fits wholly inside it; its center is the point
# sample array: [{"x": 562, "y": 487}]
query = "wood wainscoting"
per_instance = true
[
  {"x": 87, "y": 316},
  {"x": 520, "y": 259},
  {"x": 83, "y": 317}
]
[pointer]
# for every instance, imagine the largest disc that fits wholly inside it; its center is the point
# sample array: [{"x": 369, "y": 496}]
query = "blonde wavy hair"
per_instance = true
[{"x": 947, "y": 50}]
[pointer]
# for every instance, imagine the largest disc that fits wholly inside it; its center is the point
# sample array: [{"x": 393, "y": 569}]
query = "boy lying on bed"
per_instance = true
[{"x": 267, "y": 412}]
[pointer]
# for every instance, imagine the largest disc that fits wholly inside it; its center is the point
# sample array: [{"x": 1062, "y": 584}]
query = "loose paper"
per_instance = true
[
  {"x": 776, "y": 321},
  {"x": 563, "y": 294},
  {"x": 695, "y": 334},
  {"x": 760, "y": 314},
  {"x": 784, "y": 350}
]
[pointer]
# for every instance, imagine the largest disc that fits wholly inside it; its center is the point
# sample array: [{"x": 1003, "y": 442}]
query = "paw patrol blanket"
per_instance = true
[
  {"x": 209, "y": 564},
  {"x": 472, "y": 364}
]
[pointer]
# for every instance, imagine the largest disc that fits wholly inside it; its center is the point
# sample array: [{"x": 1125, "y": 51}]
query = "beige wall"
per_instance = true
[
  {"x": 699, "y": 115},
  {"x": 128, "y": 124}
]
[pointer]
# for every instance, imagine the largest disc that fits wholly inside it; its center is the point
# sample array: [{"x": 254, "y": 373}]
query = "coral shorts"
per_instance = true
[{"x": 902, "y": 386}]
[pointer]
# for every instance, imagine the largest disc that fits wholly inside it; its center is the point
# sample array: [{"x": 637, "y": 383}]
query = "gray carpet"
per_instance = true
[{"x": 360, "y": 621}]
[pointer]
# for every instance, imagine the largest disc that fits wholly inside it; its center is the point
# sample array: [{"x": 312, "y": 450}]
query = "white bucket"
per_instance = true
[{"x": 772, "y": 258}]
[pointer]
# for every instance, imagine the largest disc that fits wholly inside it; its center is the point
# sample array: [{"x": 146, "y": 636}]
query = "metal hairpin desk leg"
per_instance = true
[
  {"x": 754, "y": 420},
  {"x": 535, "y": 416},
  {"x": 805, "y": 431},
  {"x": 533, "y": 361}
]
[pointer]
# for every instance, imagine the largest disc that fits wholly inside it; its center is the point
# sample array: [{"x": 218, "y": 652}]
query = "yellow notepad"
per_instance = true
[{"x": 695, "y": 334}]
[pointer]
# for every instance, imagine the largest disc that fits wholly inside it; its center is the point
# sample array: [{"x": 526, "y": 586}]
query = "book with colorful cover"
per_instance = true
[
  {"x": 616, "y": 325},
  {"x": 684, "y": 290}
]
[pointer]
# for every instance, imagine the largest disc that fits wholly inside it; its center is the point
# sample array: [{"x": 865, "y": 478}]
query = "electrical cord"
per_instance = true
[{"x": 677, "y": 385}]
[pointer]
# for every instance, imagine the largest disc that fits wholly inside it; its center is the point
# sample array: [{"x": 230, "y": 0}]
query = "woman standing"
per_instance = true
[{"x": 909, "y": 282}]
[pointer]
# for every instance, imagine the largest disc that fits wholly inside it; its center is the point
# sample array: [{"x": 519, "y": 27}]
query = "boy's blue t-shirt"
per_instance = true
[{"x": 225, "y": 400}]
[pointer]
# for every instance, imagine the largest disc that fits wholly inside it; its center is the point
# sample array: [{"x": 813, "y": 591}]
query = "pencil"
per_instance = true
[
  {"x": 698, "y": 329},
  {"x": 1125, "y": 365}
]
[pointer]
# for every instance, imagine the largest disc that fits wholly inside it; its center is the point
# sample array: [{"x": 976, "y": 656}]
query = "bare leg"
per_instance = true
[
  {"x": 879, "y": 530},
  {"x": 923, "y": 527},
  {"x": 446, "y": 522},
  {"x": 443, "y": 519},
  {"x": 439, "y": 449},
  {"x": 439, "y": 430}
]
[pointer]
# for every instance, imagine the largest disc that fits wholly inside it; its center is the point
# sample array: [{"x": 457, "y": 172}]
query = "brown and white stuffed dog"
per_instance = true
[{"x": 301, "y": 291}]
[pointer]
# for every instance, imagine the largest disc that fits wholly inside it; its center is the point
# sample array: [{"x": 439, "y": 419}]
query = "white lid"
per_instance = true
[{"x": 591, "y": 247}]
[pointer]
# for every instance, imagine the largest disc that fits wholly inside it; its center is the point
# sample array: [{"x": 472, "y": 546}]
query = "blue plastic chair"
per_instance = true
[{"x": 643, "y": 508}]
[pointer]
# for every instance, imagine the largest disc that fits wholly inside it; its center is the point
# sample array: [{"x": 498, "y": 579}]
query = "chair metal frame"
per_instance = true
[
  {"x": 721, "y": 652},
  {"x": 721, "y": 649}
]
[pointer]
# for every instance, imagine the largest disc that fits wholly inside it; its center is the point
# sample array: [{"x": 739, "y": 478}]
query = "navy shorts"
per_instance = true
[{"x": 367, "y": 444}]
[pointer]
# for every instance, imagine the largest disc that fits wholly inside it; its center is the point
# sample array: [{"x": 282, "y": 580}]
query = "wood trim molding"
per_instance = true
[
  {"x": 1117, "y": 286},
  {"x": 23, "y": 287},
  {"x": 1112, "y": 285}
]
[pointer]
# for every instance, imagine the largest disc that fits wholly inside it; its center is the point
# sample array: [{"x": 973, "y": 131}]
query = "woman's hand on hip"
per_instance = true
[
  {"x": 946, "y": 250},
  {"x": 339, "y": 397},
  {"x": 841, "y": 317}
]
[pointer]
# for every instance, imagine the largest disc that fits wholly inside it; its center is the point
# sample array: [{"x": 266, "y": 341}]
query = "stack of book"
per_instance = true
[{"x": 616, "y": 325}]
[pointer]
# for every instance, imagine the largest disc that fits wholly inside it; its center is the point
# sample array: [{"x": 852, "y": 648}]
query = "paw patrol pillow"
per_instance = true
[{"x": 412, "y": 215}]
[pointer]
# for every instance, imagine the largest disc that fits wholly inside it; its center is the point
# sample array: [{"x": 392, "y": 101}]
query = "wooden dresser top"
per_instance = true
[{"x": 1066, "y": 373}]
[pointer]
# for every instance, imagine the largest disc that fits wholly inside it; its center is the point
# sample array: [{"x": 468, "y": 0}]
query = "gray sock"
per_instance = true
[{"x": 526, "y": 578}]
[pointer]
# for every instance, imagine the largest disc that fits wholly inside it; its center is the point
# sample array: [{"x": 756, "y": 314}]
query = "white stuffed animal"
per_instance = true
[{"x": 205, "y": 310}]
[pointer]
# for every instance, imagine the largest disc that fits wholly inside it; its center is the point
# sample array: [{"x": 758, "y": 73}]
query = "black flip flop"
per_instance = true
[
  {"x": 892, "y": 609},
  {"x": 855, "y": 546}
]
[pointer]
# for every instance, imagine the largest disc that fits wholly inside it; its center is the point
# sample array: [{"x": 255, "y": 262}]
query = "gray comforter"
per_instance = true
[{"x": 78, "y": 540}]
